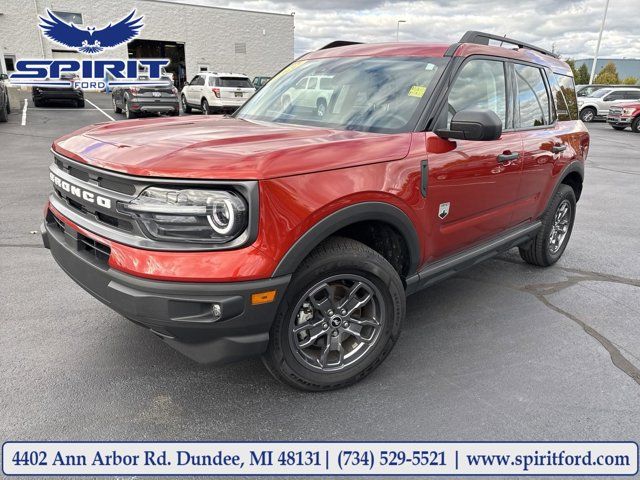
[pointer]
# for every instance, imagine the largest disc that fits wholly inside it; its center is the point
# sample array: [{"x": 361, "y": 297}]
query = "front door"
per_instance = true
[{"x": 472, "y": 185}]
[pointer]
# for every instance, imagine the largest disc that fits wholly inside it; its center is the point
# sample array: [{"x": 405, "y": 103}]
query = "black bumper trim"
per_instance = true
[{"x": 178, "y": 312}]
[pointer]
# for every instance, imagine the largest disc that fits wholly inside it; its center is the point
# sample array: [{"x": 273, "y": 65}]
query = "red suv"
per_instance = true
[{"x": 295, "y": 231}]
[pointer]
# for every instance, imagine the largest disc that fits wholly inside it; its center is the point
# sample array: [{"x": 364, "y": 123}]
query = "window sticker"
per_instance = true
[{"x": 417, "y": 91}]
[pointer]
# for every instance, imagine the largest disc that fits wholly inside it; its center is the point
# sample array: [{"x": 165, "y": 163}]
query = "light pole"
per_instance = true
[
  {"x": 595, "y": 59},
  {"x": 398, "y": 28}
]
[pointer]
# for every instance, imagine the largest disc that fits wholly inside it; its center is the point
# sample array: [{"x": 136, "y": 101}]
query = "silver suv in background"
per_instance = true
[
  {"x": 597, "y": 104},
  {"x": 216, "y": 92}
]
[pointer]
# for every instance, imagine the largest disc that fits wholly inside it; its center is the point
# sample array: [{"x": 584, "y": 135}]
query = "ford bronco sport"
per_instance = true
[{"x": 297, "y": 236}]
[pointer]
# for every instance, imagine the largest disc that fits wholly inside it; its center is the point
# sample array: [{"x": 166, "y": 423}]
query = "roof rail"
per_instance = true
[
  {"x": 482, "y": 38},
  {"x": 339, "y": 43}
]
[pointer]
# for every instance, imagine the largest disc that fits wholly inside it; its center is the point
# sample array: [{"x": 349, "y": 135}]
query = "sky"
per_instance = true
[{"x": 568, "y": 27}]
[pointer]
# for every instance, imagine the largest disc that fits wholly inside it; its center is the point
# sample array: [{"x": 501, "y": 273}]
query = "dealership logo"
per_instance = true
[
  {"x": 90, "y": 40},
  {"x": 99, "y": 74}
]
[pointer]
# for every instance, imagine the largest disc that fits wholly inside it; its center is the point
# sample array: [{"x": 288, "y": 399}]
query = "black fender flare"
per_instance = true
[
  {"x": 378, "y": 211},
  {"x": 575, "y": 166}
]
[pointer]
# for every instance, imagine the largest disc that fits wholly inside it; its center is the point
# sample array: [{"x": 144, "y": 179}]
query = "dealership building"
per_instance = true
[{"x": 194, "y": 37}]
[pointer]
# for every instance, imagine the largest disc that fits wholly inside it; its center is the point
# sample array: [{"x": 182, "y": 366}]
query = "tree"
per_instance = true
[
  {"x": 572, "y": 64},
  {"x": 582, "y": 77},
  {"x": 608, "y": 75},
  {"x": 630, "y": 81}
]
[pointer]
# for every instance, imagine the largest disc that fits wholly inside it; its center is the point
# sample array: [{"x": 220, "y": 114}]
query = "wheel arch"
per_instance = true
[
  {"x": 573, "y": 176},
  {"x": 349, "y": 217}
]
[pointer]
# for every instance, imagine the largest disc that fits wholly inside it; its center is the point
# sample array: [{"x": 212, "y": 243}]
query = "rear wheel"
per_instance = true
[
  {"x": 635, "y": 125},
  {"x": 321, "y": 107},
  {"x": 80, "y": 103},
  {"x": 587, "y": 114},
  {"x": 552, "y": 238},
  {"x": 185, "y": 106},
  {"x": 204, "y": 106},
  {"x": 339, "y": 318},
  {"x": 8, "y": 105},
  {"x": 4, "y": 112},
  {"x": 116, "y": 108},
  {"x": 128, "y": 112}
]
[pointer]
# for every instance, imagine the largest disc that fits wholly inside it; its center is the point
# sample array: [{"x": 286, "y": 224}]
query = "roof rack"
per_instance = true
[
  {"x": 482, "y": 38},
  {"x": 339, "y": 43}
]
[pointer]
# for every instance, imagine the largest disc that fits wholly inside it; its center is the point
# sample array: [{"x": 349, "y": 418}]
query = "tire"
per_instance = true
[
  {"x": 204, "y": 106},
  {"x": 616, "y": 127},
  {"x": 4, "y": 112},
  {"x": 80, "y": 103},
  {"x": 8, "y": 105},
  {"x": 342, "y": 264},
  {"x": 38, "y": 103},
  {"x": 635, "y": 125},
  {"x": 185, "y": 106},
  {"x": 587, "y": 114},
  {"x": 128, "y": 113},
  {"x": 175, "y": 113},
  {"x": 321, "y": 107},
  {"x": 541, "y": 251},
  {"x": 116, "y": 108}
]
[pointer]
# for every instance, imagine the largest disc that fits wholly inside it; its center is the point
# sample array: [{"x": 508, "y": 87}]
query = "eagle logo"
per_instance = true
[{"x": 90, "y": 40}]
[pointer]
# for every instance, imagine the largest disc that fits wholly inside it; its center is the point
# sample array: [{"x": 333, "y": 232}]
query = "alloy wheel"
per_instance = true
[
  {"x": 560, "y": 227},
  {"x": 336, "y": 323}
]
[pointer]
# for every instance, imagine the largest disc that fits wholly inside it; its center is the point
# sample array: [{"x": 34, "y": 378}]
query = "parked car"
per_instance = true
[
  {"x": 260, "y": 82},
  {"x": 597, "y": 105},
  {"x": 588, "y": 90},
  {"x": 310, "y": 92},
  {"x": 625, "y": 115},
  {"x": 282, "y": 233},
  {"x": 67, "y": 94},
  {"x": 216, "y": 92},
  {"x": 5, "y": 107},
  {"x": 141, "y": 99}
]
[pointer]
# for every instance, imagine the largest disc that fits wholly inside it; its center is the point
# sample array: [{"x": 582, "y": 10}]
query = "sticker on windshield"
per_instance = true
[{"x": 417, "y": 91}]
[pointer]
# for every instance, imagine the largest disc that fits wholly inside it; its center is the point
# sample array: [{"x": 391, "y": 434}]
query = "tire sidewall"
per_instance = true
[
  {"x": 584, "y": 112},
  {"x": 635, "y": 125},
  {"x": 392, "y": 295}
]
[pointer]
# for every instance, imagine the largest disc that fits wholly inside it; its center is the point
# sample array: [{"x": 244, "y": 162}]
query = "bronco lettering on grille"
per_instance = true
[{"x": 80, "y": 193}]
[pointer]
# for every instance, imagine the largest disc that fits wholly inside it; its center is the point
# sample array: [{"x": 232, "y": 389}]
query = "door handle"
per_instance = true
[
  {"x": 507, "y": 157},
  {"x": 559, "y": 148}
]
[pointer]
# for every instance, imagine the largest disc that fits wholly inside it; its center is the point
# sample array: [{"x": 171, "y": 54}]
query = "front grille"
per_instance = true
[{"x": 88, "y": 247}]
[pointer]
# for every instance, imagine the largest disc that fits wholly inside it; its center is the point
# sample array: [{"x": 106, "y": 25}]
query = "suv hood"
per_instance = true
[{"x": 225, "y": 148}]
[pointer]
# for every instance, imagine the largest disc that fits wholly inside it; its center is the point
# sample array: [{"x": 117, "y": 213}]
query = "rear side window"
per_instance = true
[
  {"x": 632, "y": 95},
  {"x": 479, "y": 86},
  {"x": 532, "y": 100},
  {"x": 613, "y": 96},
  {"x": 564, "y": 92},
  {"x": 235, "y": 82},
  {"x": 326, "y": 83}
]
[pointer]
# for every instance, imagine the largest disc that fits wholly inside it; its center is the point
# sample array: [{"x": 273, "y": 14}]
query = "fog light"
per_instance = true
[{"x": 216, "y": 309}]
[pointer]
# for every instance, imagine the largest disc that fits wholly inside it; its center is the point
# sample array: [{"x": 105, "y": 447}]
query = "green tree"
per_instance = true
[
  {"x": 572, "y": 64},
  {"x": 608, "y": 75},
  {"x": 630, "y": 81},
  {"x": 582, "y": 77}
]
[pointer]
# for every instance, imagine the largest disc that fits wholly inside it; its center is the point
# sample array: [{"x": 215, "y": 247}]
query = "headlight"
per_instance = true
[
  {"x": 628, "y": 111},
  {"x": 191, "y": 215}
]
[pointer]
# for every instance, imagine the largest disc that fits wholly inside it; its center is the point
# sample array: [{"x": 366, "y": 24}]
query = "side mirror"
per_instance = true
[
  {"x": 4, "y": 76},
  {"x": 473, "y": 125}
]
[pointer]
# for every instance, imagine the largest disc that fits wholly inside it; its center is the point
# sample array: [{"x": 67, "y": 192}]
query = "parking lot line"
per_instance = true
[
  {"x": 100, "y": 110},
  {"x": 24, "y": 113}
]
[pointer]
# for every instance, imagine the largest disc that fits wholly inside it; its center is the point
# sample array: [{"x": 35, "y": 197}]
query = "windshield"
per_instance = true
[{"x": 372, "y": 94}]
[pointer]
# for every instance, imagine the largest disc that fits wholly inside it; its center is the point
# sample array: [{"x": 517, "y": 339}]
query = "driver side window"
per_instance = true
[{"x": 480, "y": 85}]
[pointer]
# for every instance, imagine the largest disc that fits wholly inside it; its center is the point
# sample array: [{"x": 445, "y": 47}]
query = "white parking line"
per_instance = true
[
  {"x": 100, "y": 110},
  {"x": 24, "y": 113}
]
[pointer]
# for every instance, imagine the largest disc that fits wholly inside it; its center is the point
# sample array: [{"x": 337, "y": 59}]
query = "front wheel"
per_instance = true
[
  {"x": 635, "y": 125},
  {"x": 80, "y": 103},
  {"x": 552, "y": 238},
  {"x": 587, "y": 114},
  {"x": 185, "y": 106},
  {"x": 339, "y": 318}
]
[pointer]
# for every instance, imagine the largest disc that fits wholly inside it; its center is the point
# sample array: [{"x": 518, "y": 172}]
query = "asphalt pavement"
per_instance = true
[{"x": 504, "y": 351}]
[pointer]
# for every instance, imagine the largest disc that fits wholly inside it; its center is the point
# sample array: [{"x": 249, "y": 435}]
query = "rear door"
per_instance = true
[
  {"x": 545, "y": 139},
  {"x": 472, "y": 185}
]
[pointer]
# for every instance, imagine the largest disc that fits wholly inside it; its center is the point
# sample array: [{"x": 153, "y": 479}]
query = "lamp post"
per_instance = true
[
  {"x": 398, "y": 29},
  {"x": 595, "y": 59}
]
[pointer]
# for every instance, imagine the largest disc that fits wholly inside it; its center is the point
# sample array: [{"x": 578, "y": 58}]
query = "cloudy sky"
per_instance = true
[{"x": 569, "y": 27}]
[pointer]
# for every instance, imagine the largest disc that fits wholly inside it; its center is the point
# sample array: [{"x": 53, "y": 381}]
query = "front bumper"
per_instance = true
[
  {"x": 178, "y": 312},
  {"x": 619, "y": 120}
]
